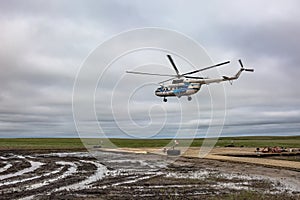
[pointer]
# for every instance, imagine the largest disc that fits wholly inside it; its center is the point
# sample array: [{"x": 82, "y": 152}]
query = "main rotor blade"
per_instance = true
[
  {"x": 173, "y": 64},
  {"x": 206, "y": 68},
  {"x": 194, "y": 77},
  {"x": 145, "y": 73}
]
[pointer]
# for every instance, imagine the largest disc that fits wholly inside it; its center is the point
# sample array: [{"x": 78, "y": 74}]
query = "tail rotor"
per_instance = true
[{"x": 245, "y": 69}]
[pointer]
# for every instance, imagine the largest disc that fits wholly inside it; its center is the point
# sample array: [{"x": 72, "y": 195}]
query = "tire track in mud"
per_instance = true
[
  {"x": 48, "y": 174},
  {"x": 116, "y": 175},
  {"x": 42, "y": 174},
  {"x": 15, "y": 164},
  {"x": 32, "y": 166}
]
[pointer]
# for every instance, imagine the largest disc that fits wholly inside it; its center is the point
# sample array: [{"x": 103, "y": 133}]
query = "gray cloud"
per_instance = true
[{"x": 44, "y": 43}]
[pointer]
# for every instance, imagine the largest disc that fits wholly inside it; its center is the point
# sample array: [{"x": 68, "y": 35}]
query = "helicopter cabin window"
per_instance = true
[{"x": 177, "y": 81}]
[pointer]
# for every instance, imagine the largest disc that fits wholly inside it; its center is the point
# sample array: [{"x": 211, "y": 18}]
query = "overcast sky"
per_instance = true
[{"x": 44, "y": 43}]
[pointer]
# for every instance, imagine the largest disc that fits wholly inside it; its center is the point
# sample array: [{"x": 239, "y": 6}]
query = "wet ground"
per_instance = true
[{"x": 78, "y": 175}]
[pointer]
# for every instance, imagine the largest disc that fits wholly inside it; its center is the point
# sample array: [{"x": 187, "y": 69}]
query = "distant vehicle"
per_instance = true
[{"x": 186, "y": 85}]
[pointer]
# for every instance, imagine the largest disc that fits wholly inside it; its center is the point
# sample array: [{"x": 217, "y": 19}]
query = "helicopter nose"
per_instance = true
[{"x": 158, "y": 92}]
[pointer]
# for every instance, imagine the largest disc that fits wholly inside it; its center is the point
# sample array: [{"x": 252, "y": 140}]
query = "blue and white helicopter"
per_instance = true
[{"x": 186, "y": 85}]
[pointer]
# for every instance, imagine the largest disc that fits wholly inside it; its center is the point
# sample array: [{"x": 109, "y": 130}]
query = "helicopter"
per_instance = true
[{"x": 186, "y": 85}]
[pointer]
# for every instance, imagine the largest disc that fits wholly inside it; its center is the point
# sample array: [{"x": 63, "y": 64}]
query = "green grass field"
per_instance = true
[
  {"x": 75, "y": 143},
  {"x": 41, "y": 143}
]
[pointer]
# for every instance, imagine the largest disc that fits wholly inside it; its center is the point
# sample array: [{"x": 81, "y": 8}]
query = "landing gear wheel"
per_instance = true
[
  {"x": 165, "y": 100},
  {"x": 189, "y": 98}
]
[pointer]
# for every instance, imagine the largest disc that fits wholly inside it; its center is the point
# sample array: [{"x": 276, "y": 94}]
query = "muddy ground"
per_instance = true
[{"x": 112, "y": 175}]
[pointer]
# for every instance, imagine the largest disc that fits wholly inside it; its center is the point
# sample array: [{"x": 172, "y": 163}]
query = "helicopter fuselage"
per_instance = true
[{"x": 180, "y": 87}]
